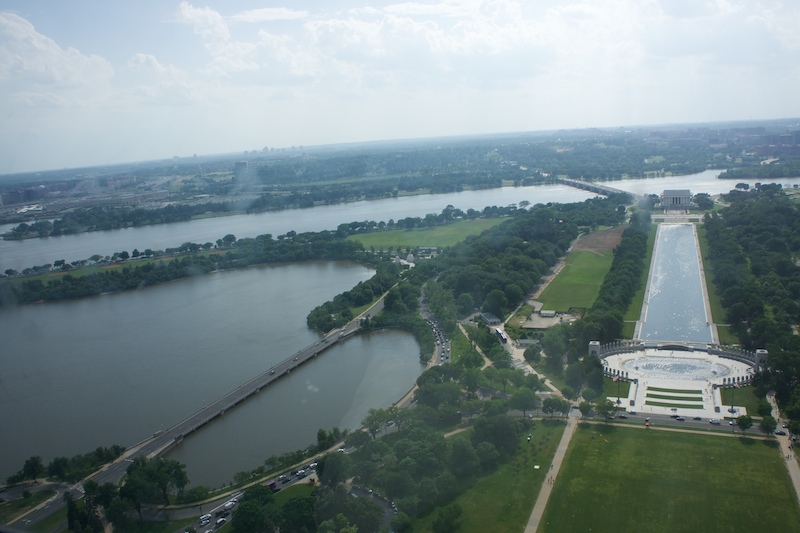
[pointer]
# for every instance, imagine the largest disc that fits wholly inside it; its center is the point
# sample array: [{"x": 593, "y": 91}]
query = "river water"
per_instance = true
[
  {"x": 706, "y": 182},
  {"x": 675, "y": 304},
  {"x": 22, "y": 254},
  {"x": 117, "y": 368}
]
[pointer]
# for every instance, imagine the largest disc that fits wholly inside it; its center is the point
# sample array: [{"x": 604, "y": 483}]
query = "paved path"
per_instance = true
[
  {"x": 547, "y": 486},
  {"x": 787, "y": 452}
]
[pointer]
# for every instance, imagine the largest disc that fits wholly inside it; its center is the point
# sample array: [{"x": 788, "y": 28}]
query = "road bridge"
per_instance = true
[
  {"x": 596, "y": 187},
  {"x": 163, "y": 441}
]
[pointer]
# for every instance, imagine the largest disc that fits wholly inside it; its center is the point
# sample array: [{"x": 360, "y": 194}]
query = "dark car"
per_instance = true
[
  {"x": 697, "y": 418},
  {"x": 624, "y": 417},
  {"x": 680, "y": 418},
  {"x": 780, "y": 432}
]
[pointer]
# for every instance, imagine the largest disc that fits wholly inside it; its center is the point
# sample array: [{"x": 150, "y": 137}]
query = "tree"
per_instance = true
[
  {"x": 250, "y": 516},
  {"x": 229, "y": 239},
  {"x": 524, "y": 400},
  {"x": 339, "y": 524},
  {"x": 554, "y": 405},
  {"x": 33, "y": 467},
  {"x": 744, "y": 422},
  {"x": 333, "y": 468},
  {"x": 768, "y": 424},
  {"x": 496, "y": 302},
  {"x": 585, "y": 408},
  {"x": 447, "y": 520},
  {"x": 374, "y": 421},
  {"x": 605, "y": 408}
]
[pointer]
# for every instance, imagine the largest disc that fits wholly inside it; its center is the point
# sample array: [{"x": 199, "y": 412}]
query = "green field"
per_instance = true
[
  {"x": 744, "y": 396},
  {"x": 440, "y": 236},
  {"x": 617, "y": 479},
  {"x": 502, "y": 501},
  {"x": 612, "y": 388},
  {"x": 578, "y": 283}
]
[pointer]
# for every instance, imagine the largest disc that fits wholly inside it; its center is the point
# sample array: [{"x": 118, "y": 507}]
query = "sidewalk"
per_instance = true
[
  {"x": 547, "y": 487},
  {"x": 788, "y": 454}
]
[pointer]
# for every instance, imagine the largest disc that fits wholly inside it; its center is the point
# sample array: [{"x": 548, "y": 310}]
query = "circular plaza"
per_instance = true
[{"x": 669, "y": 380}]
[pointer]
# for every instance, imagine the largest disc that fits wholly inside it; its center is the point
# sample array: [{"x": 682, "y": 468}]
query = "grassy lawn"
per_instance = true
[
  {"x": 578, "y": 283},
  {"x": 55, "y": 522},
  {"x": 9, "y": 510},
  {"x": 744, "y": 396},
  {"x": 611, "y": 388},
  {"x": 679, "y": 391},
  {"x": 440, "y": 236},
  {"x": 503, "y": 501},
  {"x": 459, "y": 345},
  {"x": 627, "y": 479},
  {"x": 635, "y": 310}
]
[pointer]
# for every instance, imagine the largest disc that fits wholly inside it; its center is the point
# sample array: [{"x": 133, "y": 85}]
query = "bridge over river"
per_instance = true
[
  {"x": 163, "y": 441},
  {"x": 596, "y": 187}
]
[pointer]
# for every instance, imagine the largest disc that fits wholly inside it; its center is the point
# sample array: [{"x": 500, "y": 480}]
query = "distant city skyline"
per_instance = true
[{"x": 90, "y": 83}]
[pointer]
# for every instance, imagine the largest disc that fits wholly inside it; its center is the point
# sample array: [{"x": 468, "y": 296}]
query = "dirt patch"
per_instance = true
[{"x": 601, "y": 241}]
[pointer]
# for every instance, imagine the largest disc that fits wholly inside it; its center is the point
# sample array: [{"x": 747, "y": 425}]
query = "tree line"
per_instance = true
[{"x": 753, "y": 249}]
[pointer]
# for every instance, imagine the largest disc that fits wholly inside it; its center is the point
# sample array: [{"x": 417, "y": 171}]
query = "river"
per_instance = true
[
  {"x": 31, "y": 252},
  {"x": 117, "y": 368}
]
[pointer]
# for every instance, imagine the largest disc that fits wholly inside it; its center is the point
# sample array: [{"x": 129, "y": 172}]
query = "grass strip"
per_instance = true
[
  {"x": 679, "y": 398},
  {"x": 688, "y": 391},
  {"x": 680, "y": 405}
]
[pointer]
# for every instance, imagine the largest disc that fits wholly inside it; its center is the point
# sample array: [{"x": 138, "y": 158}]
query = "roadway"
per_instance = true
[{"x": 163, "y": 441}]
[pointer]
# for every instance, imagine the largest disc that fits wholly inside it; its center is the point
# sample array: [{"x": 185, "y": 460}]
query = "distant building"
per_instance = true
[{"x": 676, "y": 199}]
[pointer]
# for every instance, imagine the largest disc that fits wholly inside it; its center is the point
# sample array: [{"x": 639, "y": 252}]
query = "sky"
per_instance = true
[{"x": 92, "y": 82}]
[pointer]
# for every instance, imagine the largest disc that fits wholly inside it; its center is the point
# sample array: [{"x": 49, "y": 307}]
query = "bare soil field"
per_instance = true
[{"x": 601, "y": 241}]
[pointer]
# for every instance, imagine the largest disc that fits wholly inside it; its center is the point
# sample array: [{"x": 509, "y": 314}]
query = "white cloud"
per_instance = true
[
  {"x": 207, "y": 23},
  {"x": 34, "y": 70},
  {"x": 269, "y": 14}
]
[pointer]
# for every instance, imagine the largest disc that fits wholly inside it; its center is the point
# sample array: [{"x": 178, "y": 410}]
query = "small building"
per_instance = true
[
  {"x": 490, "y": 319},
  {"x": 676, "y": 199},
  {"x": 547, "y": 314}
]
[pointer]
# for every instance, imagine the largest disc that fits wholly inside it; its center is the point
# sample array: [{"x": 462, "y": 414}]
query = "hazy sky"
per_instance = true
[{"x": 95, "y": 81}]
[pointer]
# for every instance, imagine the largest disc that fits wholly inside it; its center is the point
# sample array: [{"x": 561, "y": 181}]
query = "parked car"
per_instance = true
[{"x": 780, "y": 432}]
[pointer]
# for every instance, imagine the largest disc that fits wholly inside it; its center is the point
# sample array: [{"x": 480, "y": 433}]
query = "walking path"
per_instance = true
[
  {"x": 787, "y": 452},
  {"x": 547, "y": 487}
]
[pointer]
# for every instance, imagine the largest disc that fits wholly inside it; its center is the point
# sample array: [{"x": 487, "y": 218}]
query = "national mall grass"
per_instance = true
[
  {"x": 629, "y": 479},
  {"x": 502, "y": 501},
  {"x": 578, "y": 283}
]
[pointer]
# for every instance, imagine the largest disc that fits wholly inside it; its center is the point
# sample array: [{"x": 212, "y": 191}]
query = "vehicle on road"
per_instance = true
[
  {"x": 780, "y": 432},
  {"x": 680, "y": 418},
  {"x": 697, "y": 418},
  {"x": 715, "y": 421}
]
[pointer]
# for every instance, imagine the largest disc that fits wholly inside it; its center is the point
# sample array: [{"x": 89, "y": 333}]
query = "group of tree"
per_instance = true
[
  {"x": 565, "y": 344},
  {"x": 107, "y": 218},
  {"x": 292, "y": 247},
  {"x": 70, "y": 469},
  {"x": 753, "y": 249}
]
